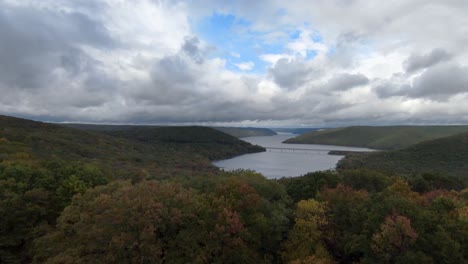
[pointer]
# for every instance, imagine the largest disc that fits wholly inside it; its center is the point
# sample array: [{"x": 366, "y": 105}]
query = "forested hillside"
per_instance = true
[
  {"x": 213, "y": 143},
  {"x": 121, "y": 148},
  {"x": 385, "y": 137},
  {"x": 445, "y": 155},
  {"x": 204, "y": 141}
]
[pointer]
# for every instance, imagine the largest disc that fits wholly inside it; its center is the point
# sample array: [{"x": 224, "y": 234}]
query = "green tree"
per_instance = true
[
  {"x": 309, "y": 185},
  {"x": 345, "y": 234}
]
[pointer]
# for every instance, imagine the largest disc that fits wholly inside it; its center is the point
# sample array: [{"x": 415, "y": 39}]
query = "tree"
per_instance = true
[
  {"x": 304, "y": 243},
  {"x": 348, "y": 213},
  {"x": 395, "y": 237}
]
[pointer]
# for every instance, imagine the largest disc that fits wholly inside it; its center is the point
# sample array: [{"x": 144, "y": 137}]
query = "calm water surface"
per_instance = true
[{"x": 277, "y": 163}]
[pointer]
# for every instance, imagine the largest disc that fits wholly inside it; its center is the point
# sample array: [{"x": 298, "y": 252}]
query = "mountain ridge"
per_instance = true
[{"x": 377, "y": 137}]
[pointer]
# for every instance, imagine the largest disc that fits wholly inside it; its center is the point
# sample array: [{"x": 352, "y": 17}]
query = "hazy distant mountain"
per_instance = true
[{"x": 241, "y": 132}]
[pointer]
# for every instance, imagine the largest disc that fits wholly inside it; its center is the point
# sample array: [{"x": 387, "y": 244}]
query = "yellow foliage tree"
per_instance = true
[{"x": 304, "y": 240}]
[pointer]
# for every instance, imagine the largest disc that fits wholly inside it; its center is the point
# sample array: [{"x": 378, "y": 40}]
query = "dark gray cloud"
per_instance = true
[
  {"x": 437, "y": 83},
  {"x": 191, "y": 47},
  {"x": 175, "y": 78},
  {"x": 35, "y": 42},
  {"x": 386, "y": 89},
  {"x": 441, "y": 82},
  {"x": 418, "y": 62},
  {"x": 290, "y": 74},
  {"x": 346, "y": 81}
]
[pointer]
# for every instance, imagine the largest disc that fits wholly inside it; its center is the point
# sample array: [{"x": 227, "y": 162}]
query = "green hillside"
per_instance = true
[
  {"x": 204, "y": 141},
  {"x": 447, "y": 155},
  {"x": 208, "y": 142},
  {"x": 156, "y": 149},
  {"x": 241, "y": 132},
  {"x": 388, "y": 137}
]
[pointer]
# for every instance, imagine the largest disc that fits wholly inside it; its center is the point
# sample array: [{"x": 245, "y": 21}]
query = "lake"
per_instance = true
[{"x": 295, "y": 160}]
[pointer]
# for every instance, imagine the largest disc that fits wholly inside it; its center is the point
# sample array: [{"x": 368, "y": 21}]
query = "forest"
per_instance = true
[{"x": 151, "y": 195}]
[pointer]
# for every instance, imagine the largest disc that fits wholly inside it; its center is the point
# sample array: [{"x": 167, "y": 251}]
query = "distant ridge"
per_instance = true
[
  {"x": 447, "y": 155},
  {"x": 241, "y": 132},
  {"x": 385, "y": 137},
  {"x": 294, "y": 130}
]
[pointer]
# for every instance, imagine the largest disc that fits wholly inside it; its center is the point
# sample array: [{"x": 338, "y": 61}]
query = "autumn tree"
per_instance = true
[
  {"x": 304, "y": 243},
  {"x": 395, "y": 237},
  {"x": 348, "y": 211}
]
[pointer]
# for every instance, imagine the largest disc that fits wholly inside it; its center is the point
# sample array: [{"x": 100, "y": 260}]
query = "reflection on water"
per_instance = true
[{"x": 277, "y": 164}]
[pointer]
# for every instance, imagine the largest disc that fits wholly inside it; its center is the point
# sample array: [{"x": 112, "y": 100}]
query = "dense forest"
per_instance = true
[
  {"x": 383, "y": 138},
  {"x": 151, "y": 195}
]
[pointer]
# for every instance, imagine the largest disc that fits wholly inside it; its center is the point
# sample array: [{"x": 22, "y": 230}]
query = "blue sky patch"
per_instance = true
[{"x": 237, "y": 43}]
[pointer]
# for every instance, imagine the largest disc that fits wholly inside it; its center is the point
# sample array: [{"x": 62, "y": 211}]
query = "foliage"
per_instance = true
[
  {"x": 307, "y": 186},
  {"x": 395, "y": 225},
  {"x": 368, "y": 180},
  {"x": 371, "y": 217},
  {"x": 394, "y": 238},
  {"x": 267, "y": 219},
  {"x": 33, "y": 195},
  {"x": 427, "y": 182},
  {"x": 153, "y": 222},
  {"x": 304, "y": 240}
]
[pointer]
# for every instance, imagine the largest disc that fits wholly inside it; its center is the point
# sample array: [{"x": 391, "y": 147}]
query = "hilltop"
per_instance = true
[
  {"x": 385, "y": 138},
  {"x": 447, "y": 155}
]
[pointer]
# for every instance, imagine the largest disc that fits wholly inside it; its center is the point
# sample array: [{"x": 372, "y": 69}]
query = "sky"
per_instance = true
[{"x": 275, "y": 63}]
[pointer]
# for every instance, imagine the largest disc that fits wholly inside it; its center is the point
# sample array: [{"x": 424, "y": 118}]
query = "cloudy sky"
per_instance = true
[{"x": 242, "y": 62}]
